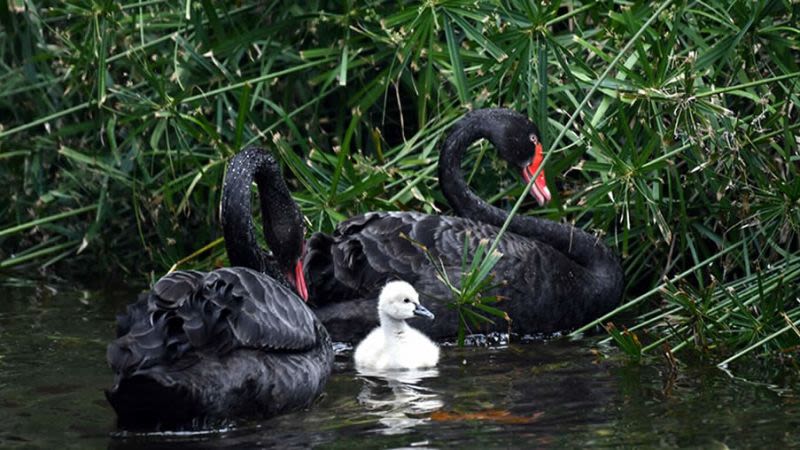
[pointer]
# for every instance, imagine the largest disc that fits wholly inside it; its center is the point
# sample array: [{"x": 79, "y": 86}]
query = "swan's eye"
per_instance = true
[
  {"x": 534, "y": 139},
  {"x": 405, "y": 300}
]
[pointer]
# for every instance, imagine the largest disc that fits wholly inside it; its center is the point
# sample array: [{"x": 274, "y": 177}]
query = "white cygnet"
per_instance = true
[{"x": 395, "y": 344}]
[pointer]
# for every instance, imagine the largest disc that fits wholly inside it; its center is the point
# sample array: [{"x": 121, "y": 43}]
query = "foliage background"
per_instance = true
[{"x": 118, "y": 117}]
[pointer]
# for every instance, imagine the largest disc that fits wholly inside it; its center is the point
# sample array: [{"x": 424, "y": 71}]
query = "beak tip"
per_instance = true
[{"x": 421, "y": 311}]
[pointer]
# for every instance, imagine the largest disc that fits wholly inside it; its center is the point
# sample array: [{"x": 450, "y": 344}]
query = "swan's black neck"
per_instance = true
[
  {"x": 578, "y": 245},
  {"x": 282, "y": 219}
]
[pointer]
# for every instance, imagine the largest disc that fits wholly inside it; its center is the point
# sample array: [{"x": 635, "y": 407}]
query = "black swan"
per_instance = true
[
  {"x": 555, "y": 276},
  {"x": 204, "y": 348}
]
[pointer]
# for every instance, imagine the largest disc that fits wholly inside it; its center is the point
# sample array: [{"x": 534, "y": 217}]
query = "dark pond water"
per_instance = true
[{"x": 542, "y": 394}]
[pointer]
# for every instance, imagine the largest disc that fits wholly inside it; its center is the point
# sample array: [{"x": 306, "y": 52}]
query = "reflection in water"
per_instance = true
[
  {"x": 395, "y": 397},
  {"x": 551, "y": 393}
]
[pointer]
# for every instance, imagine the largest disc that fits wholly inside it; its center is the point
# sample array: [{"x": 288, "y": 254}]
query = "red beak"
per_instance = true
[
  {"x": 539, "y": 187},
  {"x": 299, "y": 280}
]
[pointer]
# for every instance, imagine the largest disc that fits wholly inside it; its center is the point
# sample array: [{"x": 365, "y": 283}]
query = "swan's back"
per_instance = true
[
  {"x": 368, "y": 250},
  {"x": 206, "y": 346}
]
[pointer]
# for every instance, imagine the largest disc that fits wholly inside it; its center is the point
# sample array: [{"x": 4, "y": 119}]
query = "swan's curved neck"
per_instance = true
[
  {"x": 580, "y": 246},
  {"x": 463, "y": 200},
  {"x": 281, "y": 217}
]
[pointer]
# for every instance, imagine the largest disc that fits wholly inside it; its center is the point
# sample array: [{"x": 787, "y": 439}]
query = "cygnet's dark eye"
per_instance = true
[
  {"x": 534, "y": 139},
  {"x": 406, "y": 300}
]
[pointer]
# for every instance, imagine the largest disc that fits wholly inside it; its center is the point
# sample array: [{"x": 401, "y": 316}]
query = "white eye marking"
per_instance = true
[{"x": 534, "y": 139}]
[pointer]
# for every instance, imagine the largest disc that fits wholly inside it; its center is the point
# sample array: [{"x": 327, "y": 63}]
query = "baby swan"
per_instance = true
[{"x": 394, "y": 344}]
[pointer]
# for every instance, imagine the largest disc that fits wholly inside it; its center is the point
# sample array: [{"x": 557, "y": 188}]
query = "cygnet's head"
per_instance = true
[{"x": 400, "y": 301}]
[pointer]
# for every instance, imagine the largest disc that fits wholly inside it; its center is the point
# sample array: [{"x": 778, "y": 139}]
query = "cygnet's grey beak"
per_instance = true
[{"x": 423, "y": 312}]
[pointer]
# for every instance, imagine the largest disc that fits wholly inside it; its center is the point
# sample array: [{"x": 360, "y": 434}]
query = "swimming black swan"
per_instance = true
[
  {"x": 204, "y": 348},
  {"x": 555, "y": 276}
]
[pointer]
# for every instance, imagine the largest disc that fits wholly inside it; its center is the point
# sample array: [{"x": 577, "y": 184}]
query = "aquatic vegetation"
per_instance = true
[
  {"x": 471, "y": 299},
  {"x": 670, "y": 129}
]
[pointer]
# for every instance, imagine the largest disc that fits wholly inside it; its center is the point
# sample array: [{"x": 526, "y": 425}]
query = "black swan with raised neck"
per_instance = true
[
  {"x": 201, "y": 349},
  {"x": 554, "y": 276}
]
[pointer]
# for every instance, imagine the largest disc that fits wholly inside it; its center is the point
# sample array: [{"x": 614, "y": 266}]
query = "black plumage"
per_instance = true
[
  {"x": 552, "y": 276},
  {"x": 281, "y": 217},
  {"x": 202, "y": 349}
]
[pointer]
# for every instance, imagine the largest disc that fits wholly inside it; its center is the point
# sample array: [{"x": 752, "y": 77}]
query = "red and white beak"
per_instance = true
[
  {"x": 299, "y": 280},
  {"x": 539, "y": 187}
]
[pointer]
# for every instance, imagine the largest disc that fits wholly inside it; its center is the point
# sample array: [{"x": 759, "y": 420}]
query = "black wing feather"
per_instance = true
[
  {"x": 189, "y": 313},
  {"x": 369, "y": 250},
  {"x": 539, "y": 287}
]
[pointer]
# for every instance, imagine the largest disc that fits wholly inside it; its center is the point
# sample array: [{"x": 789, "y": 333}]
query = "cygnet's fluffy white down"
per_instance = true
[
  {"x": 411, "y": 350},
  {"x": 395, "y": 344}
]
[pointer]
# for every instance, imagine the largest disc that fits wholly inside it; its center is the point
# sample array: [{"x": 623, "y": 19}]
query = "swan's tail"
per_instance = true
[{"x": 147, "y": 402}]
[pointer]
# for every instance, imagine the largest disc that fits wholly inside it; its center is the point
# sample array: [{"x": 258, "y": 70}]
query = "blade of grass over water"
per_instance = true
[{"x": 724, "y": 363}]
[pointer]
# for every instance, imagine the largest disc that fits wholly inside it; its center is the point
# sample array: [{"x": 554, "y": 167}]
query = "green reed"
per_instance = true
[{"x": 676, "y": 141}]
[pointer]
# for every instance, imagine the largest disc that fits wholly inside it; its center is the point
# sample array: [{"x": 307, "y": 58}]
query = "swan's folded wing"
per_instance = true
[
  {"x": 191, "y": 313},
  {"x": 142, "y": 343},
  {"x": 374, "y": 248},
  {"x": 370, "y": 248},
  {"x": 255, "y": 311},
  {"x": 168, "y": 294},
  {"x": 174, "y": 288}
]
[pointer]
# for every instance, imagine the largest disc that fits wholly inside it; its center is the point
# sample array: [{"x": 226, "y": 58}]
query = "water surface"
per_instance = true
[{"x": 552, "y": 393}]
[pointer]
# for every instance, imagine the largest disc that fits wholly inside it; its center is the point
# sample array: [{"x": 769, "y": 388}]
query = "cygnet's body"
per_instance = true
[{"x": 395, "y": 344}]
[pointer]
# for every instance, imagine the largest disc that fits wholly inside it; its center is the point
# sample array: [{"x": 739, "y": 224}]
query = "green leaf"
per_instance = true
[{"x": 459, "y": 77}]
